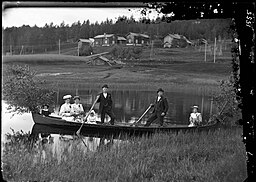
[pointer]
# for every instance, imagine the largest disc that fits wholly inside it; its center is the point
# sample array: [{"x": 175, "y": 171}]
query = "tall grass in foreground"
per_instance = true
[{"x": 208, "y": 156}]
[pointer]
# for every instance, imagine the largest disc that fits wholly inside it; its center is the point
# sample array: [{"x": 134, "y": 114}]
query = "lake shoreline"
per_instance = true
[{"x": 182, "y": 74}]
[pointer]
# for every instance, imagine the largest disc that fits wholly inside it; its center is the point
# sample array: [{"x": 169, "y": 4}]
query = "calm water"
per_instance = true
[{"x": 128, "y": 106}]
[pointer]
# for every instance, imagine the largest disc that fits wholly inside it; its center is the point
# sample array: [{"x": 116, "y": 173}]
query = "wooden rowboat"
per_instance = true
[{"x": 55, "y": 125}]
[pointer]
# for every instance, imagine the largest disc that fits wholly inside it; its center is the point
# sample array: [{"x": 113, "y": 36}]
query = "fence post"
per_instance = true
[
  {"x": 214, "y": 50},
  {"x": 205, "y": 47},
  {"x": 59, "y": 46},
  {"x": 77, "y": 50},
  {"x": 21, "y": 49}
]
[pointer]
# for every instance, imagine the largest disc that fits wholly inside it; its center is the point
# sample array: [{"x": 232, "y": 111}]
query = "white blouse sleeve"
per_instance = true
[
  {"x": 82, "y": 109},
  {"x": 61, "y": 110}
]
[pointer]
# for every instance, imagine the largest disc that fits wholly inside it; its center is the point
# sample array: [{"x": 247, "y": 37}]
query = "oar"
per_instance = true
[
  {"x": 142, "y": 115},
  {"x": 222, "y": 109},
  {"x": 79, "y": 130}
]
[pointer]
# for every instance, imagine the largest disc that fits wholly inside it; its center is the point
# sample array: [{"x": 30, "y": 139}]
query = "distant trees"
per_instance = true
[{"x": 43, "y": 39}]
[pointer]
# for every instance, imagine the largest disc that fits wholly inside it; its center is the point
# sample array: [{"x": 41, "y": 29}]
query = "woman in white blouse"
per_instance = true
[
  {"x": 66, "y": 107},
  {"x": 77, "y": 109},
  {"x": 195, "y": 117}
]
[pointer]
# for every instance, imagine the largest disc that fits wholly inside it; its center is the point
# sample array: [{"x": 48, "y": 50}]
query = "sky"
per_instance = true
[{"x": 40, "y": 16}]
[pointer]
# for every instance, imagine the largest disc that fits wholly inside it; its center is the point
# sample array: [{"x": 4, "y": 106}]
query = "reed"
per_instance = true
[{"x": 207, "y": 156}]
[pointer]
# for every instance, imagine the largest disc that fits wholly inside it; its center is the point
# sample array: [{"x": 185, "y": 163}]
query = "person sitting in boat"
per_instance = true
[
  {"x": 195, "y": 117},
  {"x": 77, "y": 109},
  {"x": 91, "y": 119},
  {"x": 45, "y": 110},
  {"x": 160, "y": 108},
  {"x": 66, "y": 108}
]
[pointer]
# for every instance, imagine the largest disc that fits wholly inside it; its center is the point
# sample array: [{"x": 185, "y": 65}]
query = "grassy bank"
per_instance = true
[
  {"x": 212, "y": 157},
  {"x": 179, "y": 70}
]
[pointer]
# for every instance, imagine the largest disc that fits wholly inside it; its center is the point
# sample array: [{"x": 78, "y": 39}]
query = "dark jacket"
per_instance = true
[
  {"x": 46, "y": 113},
  {"x": 105, "y": 103},
  {"x": 161, "y": 105}
]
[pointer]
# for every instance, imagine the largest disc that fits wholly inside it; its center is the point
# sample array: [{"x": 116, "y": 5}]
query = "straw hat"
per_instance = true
[
  {"x": 196, "y": 107},
  {"x": 92, "y": 112},
  {"x": 76, "y": 97},
  {"x": 105, "y": 86},
  {"x": 160, "y": 90},
  {"x": 67, "y": 97}
]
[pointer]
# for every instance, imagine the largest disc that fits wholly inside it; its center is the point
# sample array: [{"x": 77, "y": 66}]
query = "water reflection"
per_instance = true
[
  {"x": 129, "y": 104},
  {"x": 60, "y": 147},
  {"x": 58, "y": 141}
]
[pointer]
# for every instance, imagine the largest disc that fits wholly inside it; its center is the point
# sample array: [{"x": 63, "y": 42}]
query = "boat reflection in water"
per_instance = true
[{"x": 59, "y": 139}]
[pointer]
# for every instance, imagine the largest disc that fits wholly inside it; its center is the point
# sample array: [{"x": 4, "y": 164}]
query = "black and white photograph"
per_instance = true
[{"x": 128, "y": 91}]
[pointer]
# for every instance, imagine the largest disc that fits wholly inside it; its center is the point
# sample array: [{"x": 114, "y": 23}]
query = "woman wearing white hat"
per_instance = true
[
  {"x": 77, "y": 109},
  {"x": 195, "y": 117},
  {"x": 66, "y": 107}
]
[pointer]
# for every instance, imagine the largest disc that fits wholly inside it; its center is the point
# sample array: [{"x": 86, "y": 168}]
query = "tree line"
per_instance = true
[{"x": 42, "y": 39}]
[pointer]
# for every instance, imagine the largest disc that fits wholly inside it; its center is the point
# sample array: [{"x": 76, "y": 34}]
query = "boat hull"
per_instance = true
[{"x": 53, "y": 125}]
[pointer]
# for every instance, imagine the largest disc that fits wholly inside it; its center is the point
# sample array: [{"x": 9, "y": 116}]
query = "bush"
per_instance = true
[
  {"x": 86, "y": 51},
  {"x": 22, "y": 91},
  {"x": 227, "y": 101},
  {"x": 122, "y": 52}
]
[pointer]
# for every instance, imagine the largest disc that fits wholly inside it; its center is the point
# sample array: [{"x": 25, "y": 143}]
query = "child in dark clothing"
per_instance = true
[{"x": 45, "y": 110}]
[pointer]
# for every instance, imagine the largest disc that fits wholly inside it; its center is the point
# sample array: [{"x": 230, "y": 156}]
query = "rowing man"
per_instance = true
[{"x": 160, "y": 108}]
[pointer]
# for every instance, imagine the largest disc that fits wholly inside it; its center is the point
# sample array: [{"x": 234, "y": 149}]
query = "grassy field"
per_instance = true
[
  {"x": 215, "y": 156},
  {"x": 169, "y": 68}
]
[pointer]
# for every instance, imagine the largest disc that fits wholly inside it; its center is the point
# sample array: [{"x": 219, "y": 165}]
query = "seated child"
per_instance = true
[
  {"x": 195, "y": 117},
  {"x": 92, "y": 117},
  {"x": 45, "y": 110}
]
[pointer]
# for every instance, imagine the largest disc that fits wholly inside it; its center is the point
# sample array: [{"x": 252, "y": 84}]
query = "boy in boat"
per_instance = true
[
  {"x": 66, "y": 108},
  {"x": 77, "y": 109},
  {"x": 160, "y": 108},
  {"x": 195, "y": 117},
  {"x": 105, "y": 107},
  {"x": 45, "y": 110}
]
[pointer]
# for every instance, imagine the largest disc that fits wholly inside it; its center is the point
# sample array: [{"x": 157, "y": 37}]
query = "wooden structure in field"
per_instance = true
[
  {"x": 99, "y": 59},
  {"x": 176, "y": 40}
]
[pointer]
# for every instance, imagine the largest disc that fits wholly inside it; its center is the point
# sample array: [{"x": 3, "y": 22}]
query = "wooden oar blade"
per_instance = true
[
  {"x": 137, "y": 122},
  {"x": 79, "y": 130}
]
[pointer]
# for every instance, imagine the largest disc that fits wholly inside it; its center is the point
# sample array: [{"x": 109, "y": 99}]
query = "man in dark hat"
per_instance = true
[
  {"x": 160, "y": 108},
  {"x": 105, "y": 107}
]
